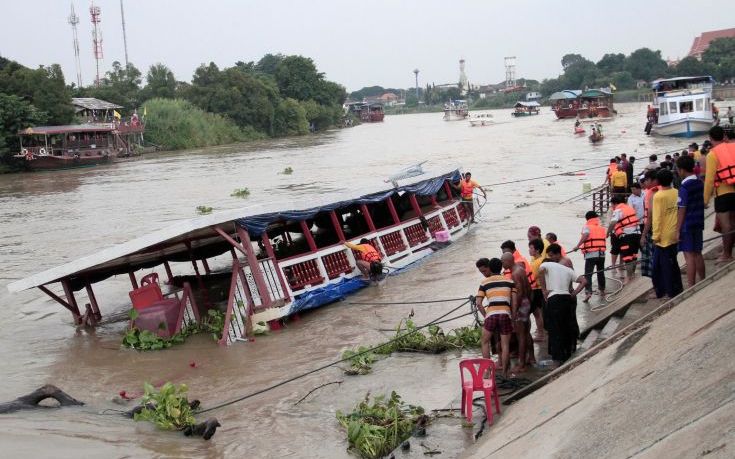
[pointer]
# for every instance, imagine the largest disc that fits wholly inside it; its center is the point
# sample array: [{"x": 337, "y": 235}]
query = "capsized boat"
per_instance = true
[
  {"x": 266, "y": 262},
  {"x": 682, "y": 106}
]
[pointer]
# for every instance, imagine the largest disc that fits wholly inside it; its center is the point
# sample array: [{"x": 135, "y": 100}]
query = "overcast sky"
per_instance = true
[{"x": 365, "y": 43}]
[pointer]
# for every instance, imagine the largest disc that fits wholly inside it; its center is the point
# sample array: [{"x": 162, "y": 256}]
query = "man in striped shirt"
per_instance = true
[{"x": 500, "y": 309}]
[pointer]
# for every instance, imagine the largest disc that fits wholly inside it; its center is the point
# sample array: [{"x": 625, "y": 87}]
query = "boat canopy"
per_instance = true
[
  {"x": 595, "y": 94},
  {"x": 527, "y": 104},
  {"x": 199, "y": 238},
  {"x": 657, "y": 85},
  {"x": 67, "y": 129},
  {"x": 565, "y": 94}
]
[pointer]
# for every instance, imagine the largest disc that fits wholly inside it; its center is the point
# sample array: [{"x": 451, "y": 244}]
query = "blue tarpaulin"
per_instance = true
[
  {"x": 328, "y": 294},
  {"x": 257, "y": 224}
]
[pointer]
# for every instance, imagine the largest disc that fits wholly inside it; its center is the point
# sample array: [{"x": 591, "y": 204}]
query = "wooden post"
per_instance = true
[
  {"x": 415, "y": 205},
  {"x": 272, "y": 255},
  {"x": 69, "y": 293},
  {"x": 368, "y": 218},
  {"x": 169, "y": 274},
  {"x": 258, "y": 277},
  {"x": 93, "y": 301},
  {"x": 203, "y": 288},
  {"x": 133, "y": 280},
  {"x": 392, "y": 209},
  {"x": 206, "y": 266},
  {"x": 59, "y": 300},
  {"x": 308, "y": 236},
  {"x": 433, "y": 201},
  {"x": 337, "y": 227}
]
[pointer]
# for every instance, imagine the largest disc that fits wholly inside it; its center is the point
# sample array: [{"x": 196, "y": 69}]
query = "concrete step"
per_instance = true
[
  {"x": 589, "y": 341},
  {"x": 609, "y": 328}
]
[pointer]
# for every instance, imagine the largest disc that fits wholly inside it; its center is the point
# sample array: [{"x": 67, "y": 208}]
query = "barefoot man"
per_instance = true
[
  {"x": 502, "y": 305},
  {"x": 521, "y": 321},
  {"x": 466, "y": 189}
]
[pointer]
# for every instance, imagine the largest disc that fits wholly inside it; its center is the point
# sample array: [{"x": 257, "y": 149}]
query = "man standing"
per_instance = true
[
  {"x": 466, "y": 189},
  {"x": 535, "y": 249},
  {"x": 635, "y": 200},
  {"x": 690, "y": 222},
  {"x": 720, "y": 181},
  {"x": 501, "y": 308},
  {"x": 629, "y": 171},
  {"x": 650, "y": 181},
  {"x": 559, "y": 318},
  {"x": 652, "y": 162},
  {"x": 593, "y": 244},
  {"x": 522, "y": 324},
  {"x": 666, "y": 272},
  {"x": 369, "y": 263},
  {"x": 624, "y": 225},
  {"x": 619, "y": 181}
]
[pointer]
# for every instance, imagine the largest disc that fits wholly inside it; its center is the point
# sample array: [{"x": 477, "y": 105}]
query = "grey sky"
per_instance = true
[{"x": 374, "y": 42}]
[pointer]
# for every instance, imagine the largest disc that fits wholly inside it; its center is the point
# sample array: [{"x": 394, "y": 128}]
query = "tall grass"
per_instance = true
[{"x": 176, "y": 124}]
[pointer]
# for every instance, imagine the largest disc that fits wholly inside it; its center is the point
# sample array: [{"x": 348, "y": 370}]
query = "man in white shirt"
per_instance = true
[
  {"x": 635, "y": 200},
  {"x": 556, "y": 283}
]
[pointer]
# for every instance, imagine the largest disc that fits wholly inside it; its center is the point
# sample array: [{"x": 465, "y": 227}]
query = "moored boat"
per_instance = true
[
  {"x": 456, "y": 110},
  {"x": 595, "y": 103},
  {"x": 565, "y": 103},
  {"x": 682, "y": 106},
  {"x": 274, "y": 260},
  {"x": 526, "y": 109},
  {"x": 368, "y": 113},
  {"x": 482, "y": 119}
]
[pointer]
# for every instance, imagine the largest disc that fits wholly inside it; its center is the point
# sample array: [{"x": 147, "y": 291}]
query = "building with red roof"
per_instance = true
[{"x": 701, "y": 43}]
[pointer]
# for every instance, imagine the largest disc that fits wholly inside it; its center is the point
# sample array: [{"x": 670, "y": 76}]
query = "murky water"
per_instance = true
[{"x": 52, "y": 217}]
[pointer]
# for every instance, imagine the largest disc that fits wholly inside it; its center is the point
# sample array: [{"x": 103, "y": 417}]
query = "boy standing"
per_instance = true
[
  {"x": 690, "y": 221},
  {"x": 666, "y": 272}
]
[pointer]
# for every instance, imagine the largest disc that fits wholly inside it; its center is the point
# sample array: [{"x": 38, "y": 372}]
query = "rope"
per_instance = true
[
  {"x": 407, "y": 302},
  {"x": 328, "y": 365},
  {"x": 544, "y": 176}
]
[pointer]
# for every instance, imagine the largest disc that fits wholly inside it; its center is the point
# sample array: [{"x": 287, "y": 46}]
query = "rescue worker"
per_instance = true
[
  {"x": 370, "y": 262},
  {"x": 466, "y": 189},
  {"x": 720, "y": 181},
  {"x": 593, "y": 245},
  {"x": 625, "y": 226}
]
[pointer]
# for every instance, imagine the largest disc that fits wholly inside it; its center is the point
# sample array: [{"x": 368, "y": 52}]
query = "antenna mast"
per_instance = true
[
  {"x": 510, "y": 72},
  {"x": 125, "y": 36},
  {"x": 95, "y": 12},
  {"x": 74, "y": 20}
]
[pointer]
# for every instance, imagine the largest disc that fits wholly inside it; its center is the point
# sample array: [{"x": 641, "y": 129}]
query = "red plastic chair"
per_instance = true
[
  {"x": 476, "y": 368},
  {"x": 148, "y": 294}
]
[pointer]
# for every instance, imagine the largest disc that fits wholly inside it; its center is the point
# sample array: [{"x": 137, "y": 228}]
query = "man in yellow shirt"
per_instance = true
[
  {"x": 720, "y": 162},
  {"x": 666, "y": 273},
  {"x": 619, "y": 181}
]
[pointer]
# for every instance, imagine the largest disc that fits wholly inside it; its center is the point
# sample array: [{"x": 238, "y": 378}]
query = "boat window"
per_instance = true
[
  {"x": 708, "y": 105},
  {"x": 663, "y": 109},
  {"x": 673, "y": 108},
  {"x": 323, "y": 230},
  {"x": 353, "y": 222},
  {"x": 699, "y": 105},
  {"x": 381, "y": 215},
  {"x": 441, "y": 195},
  {"x": 288, "y": 240},
  {"x": 686, "y": 106}
]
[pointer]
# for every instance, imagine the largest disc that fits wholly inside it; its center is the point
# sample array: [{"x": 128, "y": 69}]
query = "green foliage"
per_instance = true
[
  {"x": 240, "y": 193},
  {"x": 646, "y": 64},
  {"x": 204, "y": 210},
  {"x": 287, "y": 171},
  {"x": 177, "y": 124},
  {"x": 372, "y": 91},
  {"x": 121, "y": 85},
  {"x": 15, "y": 114},
  {"x": 611, "y": 63},
  {"x": 720, "y": 58},
  {"x": 160, "y": 82},
  {"x": 290, "y": 118},
  {"x": 431, "y": 339},
  {"x": 214, "y": 324},
  {"x": 375, "y": 429},
  {"x": 145, "y": 340},
  {"x": 170, "y": 407}
]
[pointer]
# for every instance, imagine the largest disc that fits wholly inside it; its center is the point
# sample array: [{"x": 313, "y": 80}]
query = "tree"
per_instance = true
[
  {"x": 121, "y": 86},
  {"x": 611, "y": 63},
  {"x": 645, "y": 64},
  {"x": 719, "y": 50},
  {"x": 570, "y": 59},
  {"x": 160, "y": 82},
  {"x": 15, "y": 114},
  {"x": 44, "y": 88},
  {"x": 690, "y": 66},
  {"x": 622, "y": 80},
  {"x": 268, "y": 63},
  {"x": 290, "y": 118},
  {"x": 297, "y": 77}
]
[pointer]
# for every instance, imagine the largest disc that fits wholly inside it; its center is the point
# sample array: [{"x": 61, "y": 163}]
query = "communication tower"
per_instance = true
[
  {"x": 510, "y": 72},
  {"x": 125, "y": 36},
  {"x": 74, "y": 20},
  {"x": 95, "y": 13}
]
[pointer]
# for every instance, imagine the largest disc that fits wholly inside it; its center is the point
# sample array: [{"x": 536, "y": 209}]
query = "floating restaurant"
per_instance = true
[{"x": 263, "y": 263}]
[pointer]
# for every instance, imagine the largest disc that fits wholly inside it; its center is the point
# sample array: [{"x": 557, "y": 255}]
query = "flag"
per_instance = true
[
  {"x": 116, "y": 114},
  {"x": 612, "y": 86}
]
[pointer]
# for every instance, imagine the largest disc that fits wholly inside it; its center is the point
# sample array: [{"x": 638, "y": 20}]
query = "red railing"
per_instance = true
[
  {"x": 450, "y": 216},
  {"x": 415, "y": 235},
  {"x": 393, "y": 243},
  {"x": 303, "y": 274},
  {"x": 435, "y": 224},
  {"x": 336, "y": 264}
]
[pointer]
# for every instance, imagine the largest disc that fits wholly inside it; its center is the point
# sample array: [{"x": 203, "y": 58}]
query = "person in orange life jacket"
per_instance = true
[
  {"x": 466, "y": 189},
  {"x": 535, "y": 249},
  {"x": 510, "y": 247},
  {"x": 719, "y": 181},
  {"x": 551, "y": 238},
  {"x": 624, "y": 225},
  {"x": 593, "y": 243},
  {"x": 369, "y": 263},
  {"x": 502, "y": 306},
  {"x": 522, "y": 325},
  {"x": 611, "y": 168}
]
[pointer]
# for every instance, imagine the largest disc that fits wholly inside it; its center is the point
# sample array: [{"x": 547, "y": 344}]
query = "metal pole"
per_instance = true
[{"x": 125, "y": 37}]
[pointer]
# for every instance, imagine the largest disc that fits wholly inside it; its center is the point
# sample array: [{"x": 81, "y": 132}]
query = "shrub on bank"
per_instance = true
[{"x": 177, "y": 124}]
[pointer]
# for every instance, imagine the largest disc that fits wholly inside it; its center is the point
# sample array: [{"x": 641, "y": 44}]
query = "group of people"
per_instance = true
[{"x": 657, "y": 220}]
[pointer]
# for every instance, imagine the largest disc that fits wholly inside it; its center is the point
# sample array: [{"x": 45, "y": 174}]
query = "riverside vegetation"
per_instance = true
[{"x": 277, "y": 96}]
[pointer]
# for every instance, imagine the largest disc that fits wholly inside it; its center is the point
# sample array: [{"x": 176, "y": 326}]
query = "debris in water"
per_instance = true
[
  {"x": 204, "y": 210},
  {"x": 287, "y": 171},
  {"x": 240, "y": 193}
]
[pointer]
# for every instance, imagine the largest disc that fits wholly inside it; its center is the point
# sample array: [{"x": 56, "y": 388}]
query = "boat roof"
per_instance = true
[
  {"x": 90, "y": 103},
  {"x": 565, "y": 94},
  {"x": 527, "y": 104},
  {"x": 196, "y": 237},
  {"x": 692, "y": 78},
  {"x": 593, "y": 93},
  {"x": 69, "y": 128}
]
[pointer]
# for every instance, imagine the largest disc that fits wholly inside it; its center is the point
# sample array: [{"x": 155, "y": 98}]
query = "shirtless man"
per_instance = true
[{"x": 521, "y": 322}]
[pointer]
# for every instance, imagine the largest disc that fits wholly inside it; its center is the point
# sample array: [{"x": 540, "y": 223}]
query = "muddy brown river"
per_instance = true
[{"x": 49, "y": 218}]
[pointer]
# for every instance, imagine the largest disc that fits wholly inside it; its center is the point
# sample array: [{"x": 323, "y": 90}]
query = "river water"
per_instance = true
[{"x": 52, "y": 217}]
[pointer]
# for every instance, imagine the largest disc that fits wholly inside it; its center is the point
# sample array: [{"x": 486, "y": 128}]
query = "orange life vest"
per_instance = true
[
  {"x": 725, "y": 155},
  {"x": 369, "y": 253},
  {"x": 596, "y": 239},
  {"x": 629, "y": 218},
  {"x": 520, "y": 259},
  {"x": 466, "y": 188},
  {"x": 648, "y": 192}
]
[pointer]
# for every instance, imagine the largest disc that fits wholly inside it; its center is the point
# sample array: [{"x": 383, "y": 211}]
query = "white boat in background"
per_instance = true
[
  {"x": 483, "y": 119},
  {"x": 456, "y": 110},
  {"x": 683, "y": 106}
]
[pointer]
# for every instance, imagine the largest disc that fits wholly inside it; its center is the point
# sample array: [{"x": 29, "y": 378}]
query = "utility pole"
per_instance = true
[
  {"x": 125, "y": 36},
  {"x": 416, "y": 74}
]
